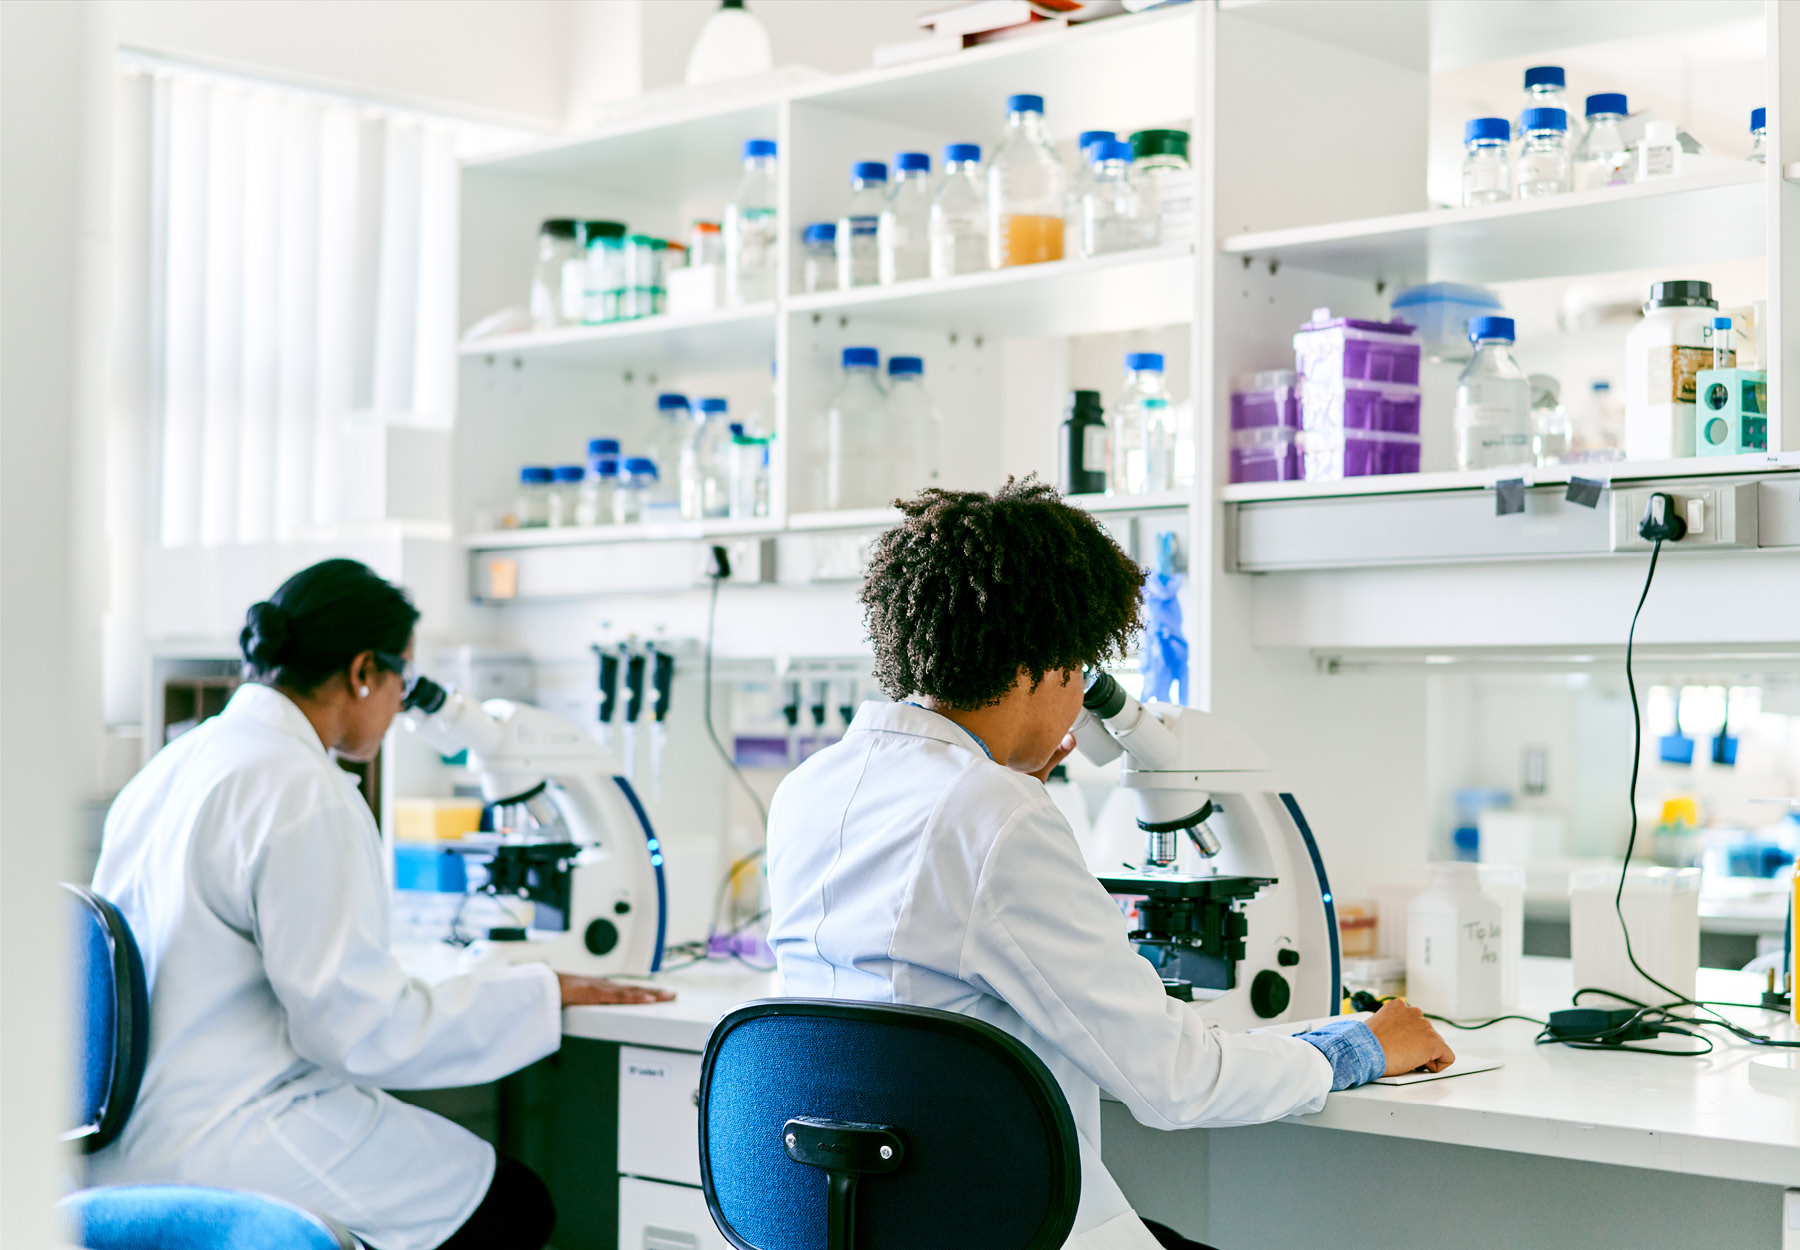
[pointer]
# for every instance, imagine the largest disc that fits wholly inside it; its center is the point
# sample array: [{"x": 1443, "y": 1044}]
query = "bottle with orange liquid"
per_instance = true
[{"x": 1026, "y": 183}]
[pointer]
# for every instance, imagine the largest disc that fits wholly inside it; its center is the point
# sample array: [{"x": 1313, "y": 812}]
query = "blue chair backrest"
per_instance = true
[
  {"x": 113, "y": 1024},
  {"x": 183, "y": 1217},
  {"x": 987, "y": 1149}
]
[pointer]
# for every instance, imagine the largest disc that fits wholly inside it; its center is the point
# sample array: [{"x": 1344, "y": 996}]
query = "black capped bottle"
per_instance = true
[{"x": 1084, "y": 445}]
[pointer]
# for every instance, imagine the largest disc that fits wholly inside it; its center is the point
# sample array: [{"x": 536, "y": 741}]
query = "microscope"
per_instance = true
[
  {"x": 577, "y": 843},
  {"x": 1253, "y": 940}
]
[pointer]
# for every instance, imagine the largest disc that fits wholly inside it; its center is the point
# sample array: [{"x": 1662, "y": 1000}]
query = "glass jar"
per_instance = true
[
  {"x": 959, "y": 214},
  {"x": 601, "y": 484},
  {"x": 565, "y": 494},
  {"x": 1487, "y": 161},
  {"x": 644, "y": 257},
  {"x": 859, "y": 229},
  {"x": 1112, "y": 212},
  {"x": 1604, "y": 158},
  {"x": 706, "y": 246},
  {"x": 559, "y": 280},
  {"x": 1759, "y": 135},
  {"x": 637, "y": 478},
  {"x": 532, "y": 509},
  {"x": 604, "y": 242},
  {"x": 818, "y": 272},
  {"x": 1026, "y": 182},
  {"x": 1165, "y": 181},
  {"x": 749, "y": 475},
  {"x": 1544, "y": 153}
]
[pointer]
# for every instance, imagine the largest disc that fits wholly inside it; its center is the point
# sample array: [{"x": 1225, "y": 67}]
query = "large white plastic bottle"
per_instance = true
[
  {"x": 1453, "y": 945},
  {"x": 1663, "y": 353}
]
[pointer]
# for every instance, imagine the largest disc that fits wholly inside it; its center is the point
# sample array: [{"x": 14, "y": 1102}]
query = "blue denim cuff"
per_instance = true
[{"x": 1355, "y": 1056}]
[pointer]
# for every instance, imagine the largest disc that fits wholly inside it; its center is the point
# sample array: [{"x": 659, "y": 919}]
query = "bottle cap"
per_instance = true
[
  {"x": 670, "y": 401},
  {"x": 1603, "y": 385},
  {"x": 905, "y": 366},
  {"x": 1487, "y": 128},
  {"x": 1544, "y": 76},
  {"x": 1025, "y": 104},
  {"x": 1088, "y": 138},
  {"x": 759, "y": 147},
  {"x": 712, "y": 405},
  {"x": 706, "y": 227},
  {"x": 1490, "y": 328},
  {"x": 559, "y": 228},
  {"x": 535, "y": 474},
  {"x": 1607, "y": 102},
  {"x": 1110, "y": 150},
  {"x": 961, "y": 152},
  {"x": 737, "y": 429},
  {"x": 1086, "y": 404},
  {"x": 1160, "y": 143},
  {"x": 591, "y": 230},
  {"x": 1721, "y": 323},
  {"x": 1151, "y": 362},
  {"x": 869, "y": 171},
  {"x": 648, "y": 240},
  {"x": 603, "y": 446},
  {"x": 1543, "y": 119},
  {"x": 1683, "y": 294},
  {"x": 913, "y": 162},
  {"x": 641, "y": 465},
  {"x": 604, "y": 466},
  {"x": 570, "y": 473},
  {"x": 1759, "y": 119},
  {"x": 854, "y": 356},
  {"x": 821, "y": 232}
]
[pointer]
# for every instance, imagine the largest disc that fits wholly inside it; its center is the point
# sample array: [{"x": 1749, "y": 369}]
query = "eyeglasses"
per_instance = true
[{"x": 409, "y": 676}]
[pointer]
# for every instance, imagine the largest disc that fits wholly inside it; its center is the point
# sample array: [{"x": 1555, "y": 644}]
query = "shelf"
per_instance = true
[
  {"x": 1717, "y": 215},
  {"x": 726, "y": 339},
  {"x": 1122, "y": 291},
  {"x": 601, "y": 535},
  {"x": 844, "y": 519},
  {"x": 1163, "y": 502}
]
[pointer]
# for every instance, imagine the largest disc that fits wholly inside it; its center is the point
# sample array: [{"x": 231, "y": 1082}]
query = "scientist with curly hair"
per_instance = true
[{"x": 920, "y": 861}]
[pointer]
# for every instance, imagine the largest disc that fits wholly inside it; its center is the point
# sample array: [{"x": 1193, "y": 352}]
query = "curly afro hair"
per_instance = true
[{"x": 971, "y": 589}]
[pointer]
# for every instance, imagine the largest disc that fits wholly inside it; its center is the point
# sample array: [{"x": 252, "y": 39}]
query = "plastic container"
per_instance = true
[
  {"x": 637, "y": 483},
  {"x": 674, "y": 426},
  {"x": 559, "y": 279},
  {"x": 1454, "y": 933},
  {"x": 1327, "y": 349},
  {"x": 1143, "y": 433},
  {"x": 1487, "y": 175},
  {"x": 644, "y": 289},
  {"x": 1026, "y": 184},
  {"x": 532, "y": 510},
  {"x": 601, "y": 484},
  {"x": 1505, "y": 884},
  {"x": 1544, "y": 152},
  {"x": 1442, "y": 311},
  {"x": 859, "y": 229},
  {"x": 1759, "y": 136},
  {"x": 859, "y": 433},
  {"x": 1357, "y": 931},
  {"x": 1165, "y": 181},
  {"x": 604, "y": 292},
  {"x": 1268, "y": 453},
  {"x": 750, "y": 484},
  {"x": 1379, "y": 975},
  {"x": 918, "y": 426},
  {"x": 903, "y": 237},
  {"x": 706, "y": 244},
  {"x": 1381, "y": 407},
  {"x": 1082, "y": 445},
  {"x": 1659, "y": 154},
  {"x": 1112, "y": 214},
  {"x": 565, "y": 494},
  {"x": 1663, "y": 354},
  {"x": 706, "y": 464},
  {"x": 1662, "y": 909},
  {"x": 1329, "y": 455},
  {"x": 1603, "y": 158},
  {"x": 752, "y": 229},
  {"x": 1269, "y": 398},
  {"x": 959, "y": 216},
  {"x": 1492, "y": 419},
  {"x": 818, "y": 268}
]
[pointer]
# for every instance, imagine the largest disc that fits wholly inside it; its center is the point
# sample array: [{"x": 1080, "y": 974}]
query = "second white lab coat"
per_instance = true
[
  {"x": 250, "y": 870},
  {"x": 905, "y": 866}
]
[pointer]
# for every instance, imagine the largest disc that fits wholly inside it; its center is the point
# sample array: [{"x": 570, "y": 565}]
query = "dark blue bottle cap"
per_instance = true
[
  {"x": 640, "y": 465},
  {"x": 605, "y": 466},
  {"x": 759, "y": 147},
  {"x": 913, "y": 162},
  {"x": 570, "y": 473},
  {"x": 903, "y": 366},
  {"x": 1544, "y": 76},
  {"x": 1090, "y": 137},
  {"x": 1025, "y": 104},
  {"x": 1490, "y": 328},
  {"x": 861, "y": 356},
  {"x": 1150, "y": 361},
  {"x": 1607, "y": 102},
  {"x": 535, "y": 475},
  {"x": 712, "y": 405},
  {"x": 1543, "y": 119},
  {"x": 1110, "y": 150},
  {"x": 670, "y": 401},
  {"x": 869, "y": 171},
  {"x": 961, "y": 152},
  {"x": 737, "y": 429},
  {"x": 1487, "y": 128},
  {"x": 603, "y": 446},
  {"x": 1759, "y": 119},
  {"x": 821, "y": 232}
]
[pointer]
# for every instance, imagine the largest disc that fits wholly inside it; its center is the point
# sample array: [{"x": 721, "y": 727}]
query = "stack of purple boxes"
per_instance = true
[{"x": 1357, "y": 409}]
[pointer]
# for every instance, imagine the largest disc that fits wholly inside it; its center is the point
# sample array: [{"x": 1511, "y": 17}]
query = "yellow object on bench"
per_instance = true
[{"x": 432, "y": 820}]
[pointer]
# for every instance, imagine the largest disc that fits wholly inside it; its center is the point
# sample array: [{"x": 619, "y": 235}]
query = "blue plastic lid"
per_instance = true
[
  {"x": 737, "y": 429},
  {"x": 1759, "y": 119},
  {"x": 1602, "y": 385},
  {"x": 670, "y": 400},
  {"x": 1543, "y": 119},
  {"x": 821, "y": 232},
  {"x": 1490, "y": 328},
  {"x": 642, "y": 465},
  {"x": 869, "y": 171},
  {"x": 1446, "y": 293},
  {"x": 1487, "y": 128},
  {"x": 605, "y": 466},
  {"x": 570, "y": 473},
  {"x": 1024, "y": 103},
  {"x": 905, "y": 366},
  {"x": 1110, "y": 150},
  {"x": 913, "y": 162},
  {"x": 1544, "y": 76},
  {"x": 961, "y": 152},
  {"x": 712, "y": 405},
  {"x": 603, "y": 446},
  {"x": 759, "y": 147},
  {"x": 536, "y": 475},
  {"x": 1607, "y": 102},
  {"x": 861, "y": 356},
  {"x": 1721, "y": 323},
  {"x": 1090, "y": 137},
  {"x": 1151, "y": 362}
]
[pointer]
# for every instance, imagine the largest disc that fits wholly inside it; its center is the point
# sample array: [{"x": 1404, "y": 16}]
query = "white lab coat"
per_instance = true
[
  {"x": 251, "y": 872},
  {"x": 905, "y": 866}
]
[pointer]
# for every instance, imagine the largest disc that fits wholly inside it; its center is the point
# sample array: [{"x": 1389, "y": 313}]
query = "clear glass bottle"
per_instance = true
[
  {"x": 637, "y": 483},
  {"x": 959, "y": 219},
  {"x": 859, "y": 229},
  {"x": 1759, "y": 135},
  {"x": 644, "y": 286},
  {"x": 1546, "y": 88},
  {"x": 603, "y": 292},
  {"x": 1544, "y": 153},
  {"x": 749, "y": 475},
  {"x": 559, "y": 280},
  {"x": 601, "y": 483},
  {"x": 1112, "y": 214},
  {"x": 532, "y": 510},
  {"x": 1079, "y": 183},
  {"x": 1142, "y": 434},
  {"x": 1487, "y": 175},
  {"x": 1026, "y": 185},
  {"x": 918, "y": 425},
  {"x": 902, "y": 239},
  {"x": 674, "y": 426},
  {"x": 859, "y": 437},
  {"x": 1604, "y": 158},
  {"x": 1552, "y": 433},
  {"x": 1492, "y": 419},
  {"x": 818, "y": 268},
  {"x": 751, "y": 229},
  {"x": 565, "y": 494},
  {"x": 706, "y": 465},
  {"x": 1165, "y": 182}
]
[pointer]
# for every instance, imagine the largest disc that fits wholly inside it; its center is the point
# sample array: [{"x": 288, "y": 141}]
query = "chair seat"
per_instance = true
[{"x": 188, "y": 1217}]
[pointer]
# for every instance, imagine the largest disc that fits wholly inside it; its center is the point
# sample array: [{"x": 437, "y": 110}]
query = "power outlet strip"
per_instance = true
[{"x": 1718, "y": 514}]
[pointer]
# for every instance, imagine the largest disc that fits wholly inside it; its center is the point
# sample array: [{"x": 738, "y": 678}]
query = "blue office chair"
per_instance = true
[
  {"x": 831, "y": 1125},
  {"x": 113, "y": 1033}
]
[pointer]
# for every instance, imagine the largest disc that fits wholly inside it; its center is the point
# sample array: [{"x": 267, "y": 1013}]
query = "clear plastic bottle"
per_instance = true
[
  {"x": 959, "y": 218},
  {"x": 1026, "y": 184},
  {"x": 859, "y": 229},
  {"x": 1544, "y": 153},
  {"x": 565, "y": 494},
  {"x": 818, "y": 269},
  {"x": 706, "y": 465},
  {"x": 706, "y": 244},
  {"x": 601, "y": 484},
  {"x": 637, "y": 483},
  {"x": 751, "y": 229},
  {"x": 675, "y": 424},
  {"x": 1552, "y": 433},
  {"x": 859, "y": 437},
  {"x": 1493, "y": 400},
  {"x": 918, "y": 425},
  {"x": 1165, "y": 182},
  {"x": 1079, "y": 182},
  {"x": 1487, "y": 176},
  {"x": 1604, "y": 158},
  {"x": 902, "y": 239},
  {"x": 532, "y": 510},
  {"x": 603, "y": 296},
  {"x": 1546, "y": 88},
  {"x": 1112, "y": 213},
  {"x": 559, "y": 280},
  {"x": 1759, "y": 135},
  {"x": 1142, "y": 434},
  {"x": 749, "y": 475}
]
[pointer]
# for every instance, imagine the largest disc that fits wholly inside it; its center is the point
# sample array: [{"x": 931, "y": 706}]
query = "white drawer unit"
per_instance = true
[
  {"x": 659, "y": 1117},
  {"x": 655, "y": 1216}
]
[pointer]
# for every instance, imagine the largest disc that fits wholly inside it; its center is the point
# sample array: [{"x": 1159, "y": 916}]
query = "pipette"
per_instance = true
[
  {"x": 634, "y": 705},
  {"x": 790, "y": 712},
  {"x": 847, "y": 709},
  {"x": 609, "y": 691},
  {"x": 821, "y": 702},
  {"x": 1723, "y": 357},
  {"x": 662, "y": 677}
]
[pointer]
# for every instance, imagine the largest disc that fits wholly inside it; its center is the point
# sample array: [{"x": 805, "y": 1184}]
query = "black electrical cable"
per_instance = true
[
  {"x": 712, "y": 614},
  {"x": 1470, "y": 1028}
]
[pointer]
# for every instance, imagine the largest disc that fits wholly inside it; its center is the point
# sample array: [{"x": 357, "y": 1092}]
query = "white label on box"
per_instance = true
[{"x": 646, "y": 1072}]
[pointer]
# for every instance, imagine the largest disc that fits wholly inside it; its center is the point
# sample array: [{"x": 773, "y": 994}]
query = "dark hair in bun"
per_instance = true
[{"x": 322, "y": 618}]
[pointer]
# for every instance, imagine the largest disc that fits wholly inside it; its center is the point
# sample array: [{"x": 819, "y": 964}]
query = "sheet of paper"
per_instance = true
[{"x": 1465, "y": 1065}]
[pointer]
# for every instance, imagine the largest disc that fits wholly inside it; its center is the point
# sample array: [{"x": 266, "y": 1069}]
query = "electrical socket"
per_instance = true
[{"x": 1718, "y": 514}]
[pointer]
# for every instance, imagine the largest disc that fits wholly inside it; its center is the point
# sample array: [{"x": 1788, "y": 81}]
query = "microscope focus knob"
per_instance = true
[
  {"x": 1269, "y": 994},
  {"x": 601, "y": 937}
]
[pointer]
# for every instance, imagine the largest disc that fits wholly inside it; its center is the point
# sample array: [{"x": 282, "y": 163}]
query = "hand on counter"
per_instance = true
[
  {"x": 1408, "y": 1040},
  {"x": 598, "y": 992}
]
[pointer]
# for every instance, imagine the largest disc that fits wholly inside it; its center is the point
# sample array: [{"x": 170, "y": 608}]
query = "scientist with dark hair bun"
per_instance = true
[{"x": 251, "y": 872}]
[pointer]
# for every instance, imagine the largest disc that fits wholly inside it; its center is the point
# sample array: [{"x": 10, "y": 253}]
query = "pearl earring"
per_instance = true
[{"x": 364, "y": 692}]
